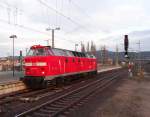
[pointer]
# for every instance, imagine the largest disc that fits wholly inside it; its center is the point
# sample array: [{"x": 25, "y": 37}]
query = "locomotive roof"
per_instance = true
[
  {"x": 75, "y": 53},
  {"x": 40, "y": 46}
]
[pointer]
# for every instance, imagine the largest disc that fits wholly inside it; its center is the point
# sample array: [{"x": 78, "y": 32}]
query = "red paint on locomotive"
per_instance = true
[{"x": 48, "y": 63}]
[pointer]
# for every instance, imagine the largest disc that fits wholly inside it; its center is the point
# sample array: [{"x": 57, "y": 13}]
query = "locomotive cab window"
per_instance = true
[
  {"x": 39, "y": 52},
  {"x": 36, "y": 52}
]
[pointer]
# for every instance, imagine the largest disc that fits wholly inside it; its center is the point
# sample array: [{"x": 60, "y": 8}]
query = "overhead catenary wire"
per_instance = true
[
  {"x": 22, "y": 26},
  {"x": 11, "y": 7},
  {"x": 81, "y": 9},
  {"x": 35, "y": 30},
  {"x": 63, "y": 15},
  {"x": 60, "y": 14}
]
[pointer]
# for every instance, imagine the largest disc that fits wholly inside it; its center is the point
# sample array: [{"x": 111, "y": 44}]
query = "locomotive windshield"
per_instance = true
[
  {"x": 36, "y": 52},
  {"x": 39, "y": 52}
]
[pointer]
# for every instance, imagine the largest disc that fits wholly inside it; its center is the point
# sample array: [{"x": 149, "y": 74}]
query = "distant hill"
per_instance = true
[{"x": 132, "y": 55}]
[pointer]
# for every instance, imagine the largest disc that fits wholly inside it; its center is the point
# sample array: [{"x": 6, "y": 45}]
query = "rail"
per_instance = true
[{"x": 60, "y": 104}]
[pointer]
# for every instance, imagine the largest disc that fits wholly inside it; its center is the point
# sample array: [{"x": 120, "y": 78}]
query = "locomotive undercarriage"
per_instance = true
[{"x": 37, "y": 82}]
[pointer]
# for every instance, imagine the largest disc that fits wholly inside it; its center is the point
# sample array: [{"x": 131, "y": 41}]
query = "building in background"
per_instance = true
[{"x": 6, "y": 63}]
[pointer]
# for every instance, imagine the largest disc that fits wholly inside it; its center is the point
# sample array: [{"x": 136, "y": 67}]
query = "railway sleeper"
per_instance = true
[
  {"x": 38, "y": 114},
  {"x": 61, "y": 104},
  {"x": 57, "y": 105},
  {"x": 53, "y": 108},
  {"x": 45, "y": 111},
  {"x": 64, "y": 100},
  {"x": 68, "y": 99}
]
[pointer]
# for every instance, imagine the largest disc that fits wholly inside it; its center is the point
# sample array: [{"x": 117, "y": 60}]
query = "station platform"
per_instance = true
[
  {"x": 8, "y": 76},
  {"x": 108, "y": 68}
]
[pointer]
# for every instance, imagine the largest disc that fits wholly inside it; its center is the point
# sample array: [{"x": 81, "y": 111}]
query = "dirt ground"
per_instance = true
[
  {"x": 131, "y": 99},
  {"x": 125, "y": 98}
]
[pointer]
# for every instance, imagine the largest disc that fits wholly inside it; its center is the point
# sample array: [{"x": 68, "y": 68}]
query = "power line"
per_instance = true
[
  {"x": 56, "y": 10},
  {"x": 25, "y": 27},
  {"x": 9, "y": 9},
  {"x": 10, "y": 6},
  {"x": 82, "y": 10},
  {"x": 34, "y": 30},
  {"x": 61, "y": 14}
]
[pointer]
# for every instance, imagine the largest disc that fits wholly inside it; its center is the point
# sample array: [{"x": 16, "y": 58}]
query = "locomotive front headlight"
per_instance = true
[
  {"x": 41, "y": 64},
  {"x": 43, "y": 72}
]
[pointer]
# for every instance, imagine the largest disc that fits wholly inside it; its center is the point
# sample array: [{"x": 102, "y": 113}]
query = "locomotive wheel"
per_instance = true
[
  {"x": 59, "y": 81},
  {"x": 95, "y": 72},
  {"x": 36, "y": 83},
  {"x": 67, "y": 80},
  {"x": 44, "y": 84}
]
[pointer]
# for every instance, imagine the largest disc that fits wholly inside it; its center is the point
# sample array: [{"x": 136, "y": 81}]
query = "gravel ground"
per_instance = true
[
  {"x": 125, "y": 98},
  {"x": 132, "y": 99}
]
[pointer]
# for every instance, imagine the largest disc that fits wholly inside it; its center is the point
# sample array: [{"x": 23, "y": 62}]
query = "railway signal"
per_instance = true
[
  {"x": 126, "y": 46},
  {"x": 20, "y": 60}
]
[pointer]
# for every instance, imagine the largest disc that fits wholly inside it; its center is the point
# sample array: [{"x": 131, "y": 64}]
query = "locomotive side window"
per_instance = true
[
  {"x": 59, "y": 52},
  {"x": 87, "y": 55},
  {"x": 92, "y": 56},
  {"x": 56, "y": 52},
  {"x": 77, "y": 55},
  {"x": 74, "y": 53},
  {"x": 83, "y": 54},
  {"x": 64, "y": 53},
  {"x": 69, "y": 53},
  {"x": 80, "y": 54},
  {"x": 49, "y": 52}
]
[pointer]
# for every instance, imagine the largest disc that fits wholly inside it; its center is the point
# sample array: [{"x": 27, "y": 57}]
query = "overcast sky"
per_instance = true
[{"x": 103, "y": 21}]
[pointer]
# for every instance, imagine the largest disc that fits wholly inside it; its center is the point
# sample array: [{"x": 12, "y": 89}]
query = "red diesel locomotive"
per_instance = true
[{"x": 44, "y": 63}]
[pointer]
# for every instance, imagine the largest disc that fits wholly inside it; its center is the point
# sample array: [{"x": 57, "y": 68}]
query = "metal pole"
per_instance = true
[
  {"x": 13, "y": 58},
  {"x": 26, "y": 51},
  {"x": 20, "y": 60},
  {"x": 76, "y": 45},
  {"x": 75, "y": 48},
  {"x": 53, "y": 30},
  {"x": 139, "y": 56},
  {"x": 53, "y": 38},
  {"x": 116, "y": 55}
]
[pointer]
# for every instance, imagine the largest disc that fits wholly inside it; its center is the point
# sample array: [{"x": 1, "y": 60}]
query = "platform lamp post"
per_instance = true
[
  {"x": 53, "y": 30},
  {"x": 13, "y": 37},
  {"x": 76, "y": 45}
]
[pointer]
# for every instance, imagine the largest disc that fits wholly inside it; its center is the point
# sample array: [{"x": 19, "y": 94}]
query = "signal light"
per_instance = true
[{"x": 126, "y": 45}]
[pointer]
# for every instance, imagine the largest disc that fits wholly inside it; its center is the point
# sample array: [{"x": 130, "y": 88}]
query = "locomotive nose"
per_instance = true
[
  {"x": 35, "y": 66},
  {"x": 35, "y": 71}
]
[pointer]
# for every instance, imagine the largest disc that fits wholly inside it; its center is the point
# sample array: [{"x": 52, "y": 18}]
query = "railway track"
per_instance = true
[
  {"x": 63, "y": 103},
  {"x": 29, "y": 95},
  {"x": 24, "y": 101}
]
